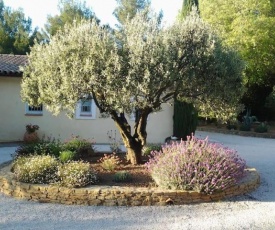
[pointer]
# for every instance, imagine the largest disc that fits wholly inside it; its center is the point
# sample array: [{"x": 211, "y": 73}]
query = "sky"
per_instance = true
[{"x": 38, "y": 10}]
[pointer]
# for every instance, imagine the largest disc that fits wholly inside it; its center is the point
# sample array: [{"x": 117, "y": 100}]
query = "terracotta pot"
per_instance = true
[{"x": 30, "y": 137}]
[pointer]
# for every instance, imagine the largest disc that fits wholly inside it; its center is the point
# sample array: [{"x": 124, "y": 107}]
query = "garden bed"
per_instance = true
[
  {"x": 178, "y": 173},
  {"x": 110, "y": 194}
]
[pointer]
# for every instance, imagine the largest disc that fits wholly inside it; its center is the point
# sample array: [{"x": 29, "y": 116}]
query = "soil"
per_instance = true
[{"x": 140, "y": 176}]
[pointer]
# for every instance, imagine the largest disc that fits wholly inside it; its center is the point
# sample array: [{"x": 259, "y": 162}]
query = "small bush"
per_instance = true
[
  {"x": 262, "y": 128},
  {"x": 49, "y": 146},
  {"x": 35, "y": 169},
  {"x": 67, "y": 156},
  {"x": 245, "y": 127},
  {"x": 109, "y": 162},
  {"x": 122, "y": 176},
  {"x": 231, "y": 126},
  {"x": 81, "y": 147},
  {"x": 195, "y": 165},
  {"x": 147, "y": 149},
  {"x": 76, "y": 174}
]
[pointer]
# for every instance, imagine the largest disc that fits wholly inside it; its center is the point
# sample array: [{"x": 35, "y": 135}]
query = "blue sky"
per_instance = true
[{"x": 38, "y": 10}]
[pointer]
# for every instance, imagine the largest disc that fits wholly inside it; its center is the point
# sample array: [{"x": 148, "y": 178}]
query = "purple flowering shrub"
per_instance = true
[{"x": 196, "y": 165}]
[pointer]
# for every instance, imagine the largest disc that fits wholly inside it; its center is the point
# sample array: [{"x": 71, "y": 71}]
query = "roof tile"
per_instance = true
[{"x": 10, "y": 64}]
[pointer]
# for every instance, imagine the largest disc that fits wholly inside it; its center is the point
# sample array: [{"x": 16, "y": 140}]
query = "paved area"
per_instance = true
[{"x": 250, "y": 211}]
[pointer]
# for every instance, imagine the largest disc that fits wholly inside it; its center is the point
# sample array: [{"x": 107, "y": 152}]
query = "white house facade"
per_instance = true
[{"x": 87, "y": 123}]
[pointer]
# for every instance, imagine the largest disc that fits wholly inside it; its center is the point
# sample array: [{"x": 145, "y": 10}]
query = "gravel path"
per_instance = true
[{"x": 251, "y": 211}]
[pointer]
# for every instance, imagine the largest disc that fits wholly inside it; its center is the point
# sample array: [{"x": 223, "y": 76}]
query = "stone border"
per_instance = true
[
  {"x": 117, "y": 195},
  {"x": 236, "y": 132}
]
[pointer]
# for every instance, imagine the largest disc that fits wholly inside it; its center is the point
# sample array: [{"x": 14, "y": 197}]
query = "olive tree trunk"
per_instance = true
[{"x": 133, "y": 143}]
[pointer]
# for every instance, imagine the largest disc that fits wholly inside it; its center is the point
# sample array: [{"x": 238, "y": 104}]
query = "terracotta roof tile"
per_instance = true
[{"x": 9, "y": 64}]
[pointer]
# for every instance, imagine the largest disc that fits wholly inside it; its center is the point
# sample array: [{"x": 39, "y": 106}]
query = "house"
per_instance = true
[{"x": 87, "y": 123}]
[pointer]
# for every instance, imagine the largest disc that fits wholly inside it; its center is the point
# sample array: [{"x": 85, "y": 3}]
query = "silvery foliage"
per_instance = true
[{"x": 140, "y": 66}]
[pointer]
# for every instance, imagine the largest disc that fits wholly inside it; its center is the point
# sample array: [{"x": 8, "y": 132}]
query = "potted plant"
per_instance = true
[{"x": 31, "y": 134}]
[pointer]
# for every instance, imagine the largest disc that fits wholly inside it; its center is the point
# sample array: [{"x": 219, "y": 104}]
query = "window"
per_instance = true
[
  {"x": 34, "y": 110},
  {"x": 86, "y": 109}
]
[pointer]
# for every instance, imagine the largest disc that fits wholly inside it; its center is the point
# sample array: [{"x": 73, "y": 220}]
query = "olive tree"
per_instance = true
[{"x": 137, "y": 68}]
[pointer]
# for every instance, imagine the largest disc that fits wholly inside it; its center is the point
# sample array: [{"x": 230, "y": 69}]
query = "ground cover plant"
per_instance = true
[
  {"x": 39, "y": 169},
  {"x": 196, "y": 165},
  {"x": 76, "y": 174},
  {"x": 46, "y": 169}
]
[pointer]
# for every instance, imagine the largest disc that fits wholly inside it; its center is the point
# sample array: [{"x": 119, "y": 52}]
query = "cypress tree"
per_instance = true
[
  {"x": 185, "y": 115},
  {"x": 185, "y": 119}
]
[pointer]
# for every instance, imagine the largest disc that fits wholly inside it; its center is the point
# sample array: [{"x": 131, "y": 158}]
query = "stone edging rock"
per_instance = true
[
  {"x": 116, "y": 195},
  {"x": 236, "y": 132}
]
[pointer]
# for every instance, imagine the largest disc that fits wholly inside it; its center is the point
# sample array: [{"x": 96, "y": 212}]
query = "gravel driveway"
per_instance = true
[{"x": 251, "y": 211}]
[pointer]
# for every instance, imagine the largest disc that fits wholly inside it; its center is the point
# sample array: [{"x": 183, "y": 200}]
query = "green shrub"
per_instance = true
[
  {"x": 185, "y": 119},
  {"x": 49, "y": 146},
  {"x": 81, "y": 147},
  {"x": 196, "y": 165},
  {"x": 231, "y": 126},
  {"x": 76, "y": 174},
  {"x": 247, "y": 121},
  {"x": 148, "y": 148},
  {"x": 109, "y": 162},
  {"x": 67, "y": 156},
  {"x": 35, "y": 169},
  {"x": 245, "y": 127},
  {"x": 122, "y": 176},
  {"x": 262, "y": 128}
]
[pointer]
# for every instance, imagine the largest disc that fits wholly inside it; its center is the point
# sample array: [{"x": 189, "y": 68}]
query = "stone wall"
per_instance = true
[{"x": 117, "y": 195}]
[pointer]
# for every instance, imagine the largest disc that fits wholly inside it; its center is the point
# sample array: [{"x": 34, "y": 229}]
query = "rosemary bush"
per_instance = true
[
  {"x": 81, "y": 147},
  {"x": 196, "y": 165}
]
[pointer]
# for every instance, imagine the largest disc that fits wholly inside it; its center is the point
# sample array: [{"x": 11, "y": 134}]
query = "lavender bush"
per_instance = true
[{"x": 196, "y": 165}]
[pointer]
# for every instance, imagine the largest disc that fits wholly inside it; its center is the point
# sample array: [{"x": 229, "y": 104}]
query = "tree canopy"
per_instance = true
[
  {"x": 16, "y": 35},
  {"x": 70, "y": 11},
  {"x": 138, "y": 67},
  {"x": 127, "y": 9},
  {"x": 249, "y": 27},
  {"x": 187, "y": 8}
]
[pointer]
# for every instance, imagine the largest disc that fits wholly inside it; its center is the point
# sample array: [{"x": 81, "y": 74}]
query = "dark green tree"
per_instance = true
[
  {"x": 16, "y": 35},
  {"x": 185, "y": 119},
  {"x": 248, "y": 26},
  {"x": 187, "y": 7},
  {"x": 185, "y": 115},
  {"x": 70, "y": 11},
  {"x": 129, "y": 8}
]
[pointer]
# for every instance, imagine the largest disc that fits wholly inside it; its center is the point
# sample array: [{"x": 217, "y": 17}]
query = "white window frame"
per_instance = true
[
  {"x": 83, "y": 115},
  {"x": 36, "y": 112}
]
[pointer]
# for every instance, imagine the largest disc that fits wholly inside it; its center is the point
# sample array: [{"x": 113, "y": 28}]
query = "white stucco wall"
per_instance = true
[{"x": 13, "y": 120}]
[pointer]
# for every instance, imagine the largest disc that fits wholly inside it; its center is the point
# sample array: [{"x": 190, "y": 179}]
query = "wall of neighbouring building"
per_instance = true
[{"x": 13, "y": 120}]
